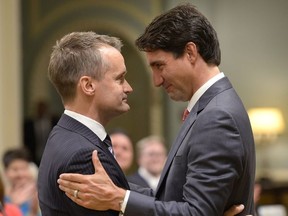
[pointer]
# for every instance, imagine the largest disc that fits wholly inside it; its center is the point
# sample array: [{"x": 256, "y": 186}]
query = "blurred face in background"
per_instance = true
[
  {"x": 18, "y": 172},
  {"x": 123, "y": 150},
  {"x": 153, "y": 157}
]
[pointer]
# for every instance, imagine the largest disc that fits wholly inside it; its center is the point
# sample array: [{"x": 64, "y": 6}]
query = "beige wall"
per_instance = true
[
  {"x": 253, "y": 36},
  {"x": 10, "y": 76}
]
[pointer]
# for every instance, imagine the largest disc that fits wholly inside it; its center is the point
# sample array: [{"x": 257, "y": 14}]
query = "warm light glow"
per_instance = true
[{"x": 267, "y": 123}]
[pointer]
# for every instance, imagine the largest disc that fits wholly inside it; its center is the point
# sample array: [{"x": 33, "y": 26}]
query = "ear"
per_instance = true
[
  {"x": 191, "y": 51},
  {"x": 87, "y": 85}
]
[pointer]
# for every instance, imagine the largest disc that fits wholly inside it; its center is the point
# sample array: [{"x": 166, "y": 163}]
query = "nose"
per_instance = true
[
  {"x": 157, "y": 79},
  {"x": 127, "y": 88}
]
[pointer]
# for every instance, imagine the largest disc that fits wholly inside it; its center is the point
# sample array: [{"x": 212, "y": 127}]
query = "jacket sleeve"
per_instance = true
[
  {"x": 141, "y": 190},
  {"x": 212, "y": 157}
]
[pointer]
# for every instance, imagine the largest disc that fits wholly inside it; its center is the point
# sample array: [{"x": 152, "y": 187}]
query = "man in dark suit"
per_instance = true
[
  {"x": 211, "y": 165},
  {"x": 88, "y": 72},
  {"x": 151, "y": 156}
]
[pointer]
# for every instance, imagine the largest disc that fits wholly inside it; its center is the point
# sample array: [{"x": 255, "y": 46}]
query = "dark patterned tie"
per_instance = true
[
  {"x": 108, "y": 142},
  {"x": 185, "y": 114}
]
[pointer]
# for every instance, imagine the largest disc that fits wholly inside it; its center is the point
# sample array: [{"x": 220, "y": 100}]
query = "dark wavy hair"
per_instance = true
[
  {"x": 16, "y": 154},
  {"x": 171, "y": 31}
]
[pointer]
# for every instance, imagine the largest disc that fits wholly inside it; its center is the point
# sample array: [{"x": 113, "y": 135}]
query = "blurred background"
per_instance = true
[{"x": 253, "y": 38}]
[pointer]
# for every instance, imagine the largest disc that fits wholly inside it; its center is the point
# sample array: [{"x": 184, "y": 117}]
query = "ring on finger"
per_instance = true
[{"x": 75, "y": 194}]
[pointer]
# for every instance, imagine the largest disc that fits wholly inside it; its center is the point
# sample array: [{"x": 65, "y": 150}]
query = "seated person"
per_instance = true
[
  {"x": 21, "y": 188},
  {"x": 7, "y": 209}
]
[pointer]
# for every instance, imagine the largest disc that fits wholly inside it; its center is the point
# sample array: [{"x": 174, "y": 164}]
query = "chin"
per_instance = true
[
  {"x": 178, "y": 98},
  {"x": 127, "y": 108},
  {"x": 175, "y": 98},
  {"x": 122, "y": 111}
]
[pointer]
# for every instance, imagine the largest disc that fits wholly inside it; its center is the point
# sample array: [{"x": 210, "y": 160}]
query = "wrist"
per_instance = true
[{"x": 118, "y": 199}]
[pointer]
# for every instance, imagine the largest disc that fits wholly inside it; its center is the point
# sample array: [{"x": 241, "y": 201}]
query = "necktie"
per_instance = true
[
  {"x": 108, "y": 142},
  {"x": 185, "y": 114}
]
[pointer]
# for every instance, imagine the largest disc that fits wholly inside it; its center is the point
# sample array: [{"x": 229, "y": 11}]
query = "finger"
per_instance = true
[
  {"x": 63, "y": 187},
  {"x": 73, "y": 177},
  {"x": 68, "y": 190},
  {"x": 82, "y": 201},
  {"x": 99, "y": 169},
  {"x": 96, "y": 162},
  {"x": 77, "y": 200},
  {"x": 67, "y": 186},
  {"x": 71, "y": 192},
  {"x": 234, "y": 210}
]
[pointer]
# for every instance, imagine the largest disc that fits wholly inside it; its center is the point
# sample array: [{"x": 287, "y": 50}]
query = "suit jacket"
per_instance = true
[
  {"x": 136, "y": 178},
  {"x": 69, "y": 150},
  {"x": 210, "y": 166}
]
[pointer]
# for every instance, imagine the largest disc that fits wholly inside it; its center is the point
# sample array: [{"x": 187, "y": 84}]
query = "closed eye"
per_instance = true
[
  {"x": 157, "y": 65},
  {"x": 121, "y": 78}
]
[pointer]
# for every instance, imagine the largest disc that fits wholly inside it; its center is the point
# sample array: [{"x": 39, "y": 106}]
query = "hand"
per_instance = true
[
  {"x": 234, "y": 210},
  {"x": 96, "y": 191},
  {"x": 23, "y": 191}
]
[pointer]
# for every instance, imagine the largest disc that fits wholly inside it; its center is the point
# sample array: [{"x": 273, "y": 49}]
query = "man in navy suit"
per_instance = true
[
  {"x": 88, "y": 72},
  {"x": 211, "y": 164}
]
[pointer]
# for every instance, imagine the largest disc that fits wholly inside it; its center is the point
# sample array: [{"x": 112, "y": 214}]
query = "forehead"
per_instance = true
[
  {"x": 153, "y": 146},
  {"x": 110, "y": 52},
  {"x": 18, "y": 163},
  {"x": 113, "y": 59},
  {"x": 158, "y": 56},
  {"x": 120, "y": 138}
]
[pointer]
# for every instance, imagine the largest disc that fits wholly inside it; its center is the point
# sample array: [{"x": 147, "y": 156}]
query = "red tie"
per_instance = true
[{"x": 185, "y": 114}]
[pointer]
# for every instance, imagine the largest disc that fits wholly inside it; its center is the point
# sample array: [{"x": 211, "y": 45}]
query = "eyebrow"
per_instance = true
[
  {"x": 122, "y": 74},
  {"x": 156, "y": 62}
]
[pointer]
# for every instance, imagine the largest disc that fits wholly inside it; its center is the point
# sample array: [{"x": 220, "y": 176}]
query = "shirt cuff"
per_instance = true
[{"x": 124, "y": 204}]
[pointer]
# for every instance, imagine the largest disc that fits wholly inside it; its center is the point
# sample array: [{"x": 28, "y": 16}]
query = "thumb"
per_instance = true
[
  {"x": 96, "y": 162},
  {"x": 234, "y": 210}
]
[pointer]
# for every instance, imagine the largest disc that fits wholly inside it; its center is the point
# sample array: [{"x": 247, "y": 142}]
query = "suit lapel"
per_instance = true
[
  {"x": 187, "y": 124},
  {"x": 73, "y": 125},
  {"x": 218, "y": 87}
]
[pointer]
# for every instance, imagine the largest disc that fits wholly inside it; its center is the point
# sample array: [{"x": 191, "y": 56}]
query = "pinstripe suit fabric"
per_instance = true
[{"x": 69, "y": 150}]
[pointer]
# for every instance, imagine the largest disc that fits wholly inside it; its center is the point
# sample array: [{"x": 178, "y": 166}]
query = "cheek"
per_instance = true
[
  {"x": 125, "y": 155},
  {"x": 9, "y": 174},
  {"x": 12, "y": 176}
]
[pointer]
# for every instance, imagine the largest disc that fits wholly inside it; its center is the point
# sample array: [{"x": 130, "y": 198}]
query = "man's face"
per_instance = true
[
  {"x": 174, "y": 75},
  {"x": 153, "y": 158},
  {"x": 18, "y": 172},
  {"x": 123, "y": 150},
  {"x": 111, "y": 93}
]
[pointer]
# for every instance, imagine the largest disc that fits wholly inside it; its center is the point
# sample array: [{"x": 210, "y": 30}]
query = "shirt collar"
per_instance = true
[
  {"x": 203, "y": 89},
  {"x": 93, "y": 125},
  {"x": 150, "y": 179}
]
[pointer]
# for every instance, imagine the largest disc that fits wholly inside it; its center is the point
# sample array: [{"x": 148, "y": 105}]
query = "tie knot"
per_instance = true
[
  {"x": 108, "y": 142},
  {"x": 185, "y": 114}
]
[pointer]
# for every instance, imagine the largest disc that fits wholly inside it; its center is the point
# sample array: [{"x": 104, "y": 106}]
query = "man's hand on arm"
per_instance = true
[{"x": 96, "y": 191}]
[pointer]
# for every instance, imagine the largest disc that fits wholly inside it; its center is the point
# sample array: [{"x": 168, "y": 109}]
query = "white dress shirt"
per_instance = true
[
  {"x": 99, "y": 130},
  {"x": 203, "y": 89},
  {"x": 93, "y": 125}
]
